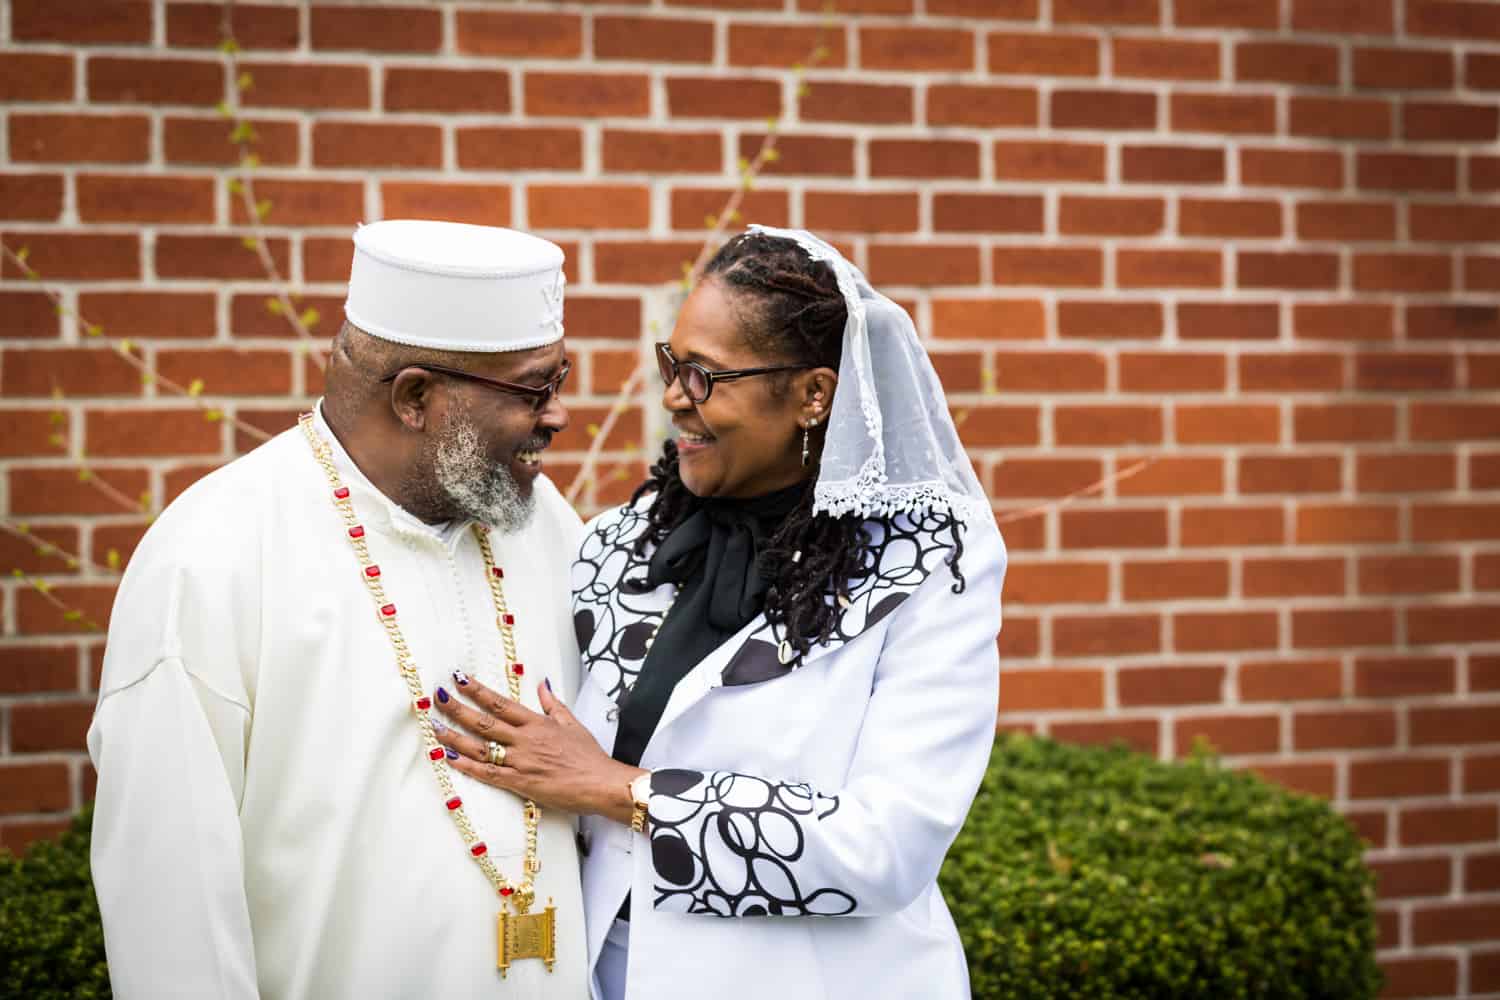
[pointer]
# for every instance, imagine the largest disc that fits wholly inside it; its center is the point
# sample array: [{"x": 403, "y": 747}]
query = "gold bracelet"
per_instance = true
[{"x": 638, "y": 803}]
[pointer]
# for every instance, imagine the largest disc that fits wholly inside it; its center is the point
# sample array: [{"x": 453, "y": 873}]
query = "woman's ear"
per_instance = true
[
  {"x": 412, "y": 398},
  {"x": 817, "y": 390}
]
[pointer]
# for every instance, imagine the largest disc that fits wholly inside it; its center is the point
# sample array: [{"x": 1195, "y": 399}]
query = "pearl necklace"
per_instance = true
[{"x": 520, "y": 896}]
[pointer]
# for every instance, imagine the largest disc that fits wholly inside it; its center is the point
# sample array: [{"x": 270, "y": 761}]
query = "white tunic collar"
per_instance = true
[{"x": 376, "y": 508}]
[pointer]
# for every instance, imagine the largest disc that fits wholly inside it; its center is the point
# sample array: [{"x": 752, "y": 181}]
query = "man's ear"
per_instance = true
[
  {"x": 412, "y": 398},
  {"x": 817, "y": 393}
]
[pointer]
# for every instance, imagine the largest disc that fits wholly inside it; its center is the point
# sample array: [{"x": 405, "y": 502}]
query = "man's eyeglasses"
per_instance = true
[
  {"x": 698, "y": 381},
  {"x": 539, "y": 395}
]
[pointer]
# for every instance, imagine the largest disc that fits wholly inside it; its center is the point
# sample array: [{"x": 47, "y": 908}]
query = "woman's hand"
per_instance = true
[{"x": 551, "y": 759}]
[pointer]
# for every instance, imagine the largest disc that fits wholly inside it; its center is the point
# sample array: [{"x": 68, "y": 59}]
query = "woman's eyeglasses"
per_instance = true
[
  {"x": 539, "y": 395},
  {"x": 698, "y": 381}
]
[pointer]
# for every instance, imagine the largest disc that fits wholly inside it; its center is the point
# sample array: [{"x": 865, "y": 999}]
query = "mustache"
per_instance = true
[{"x": 537, "y": 442}]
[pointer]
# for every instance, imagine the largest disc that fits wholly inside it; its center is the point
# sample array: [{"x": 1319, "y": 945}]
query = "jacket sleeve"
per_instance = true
[
  {"x": 169, "y": 740},
  {"x": 729, "y": 844}
]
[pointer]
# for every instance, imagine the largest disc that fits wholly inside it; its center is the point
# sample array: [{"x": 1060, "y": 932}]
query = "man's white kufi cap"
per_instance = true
[{"x": 455, "y": 287}]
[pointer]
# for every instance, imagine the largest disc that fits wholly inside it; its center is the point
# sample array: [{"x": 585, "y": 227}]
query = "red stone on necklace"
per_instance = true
[
  {"x": 478, "y": 849},
  {"x": 342, "y": 493},
  {"x": 388, "y": 610},
  {"x": 358, "y": 531},
  {"x": 436, "y": 753}
]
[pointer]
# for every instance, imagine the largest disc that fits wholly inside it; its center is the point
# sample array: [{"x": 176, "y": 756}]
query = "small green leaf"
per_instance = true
[
  {"x": 42, "y": 586},
  {"x": 213, "y": 416},
  {"x": 235, "y": 185},
  {"x": 242, "y": 133},
  {"x": 250, "y": 243},
  {"x": 70, "y": 562},
  {"x": 57, "y": 440},
  {"x": 93, "y": 330},
  {"x": 742, "y": 164},
  {"x": 593, "y": 430},
  {"x": 803, "y": 90},
  {"x": 18, "y": 574},
  {"x": 821, "y": 52},
  {"x": 310, "y": 317},
  {"x": 195, "y": 388},
  {"x": 710, "y": 222},
  {"x": 144, "y": 501},
  {"x": 734, "y": 215},
  {"x": 147, "y": 378},
  {"x": 263, "y": 209},
  {"x": 244, "y": 82},
  {"x": 60, "y": 309},
  {"x": 224, "y": 110},
  {"x": 249, "y": 161},
  {"x": 273, "y": 306},
  {"x": 72, "y": 615},
  {"x": 124, "y": 345},
  {"x": 229, "y": 46},
  {"x": 772, "y": 156},
  {"x": 112, "y": 559},
  {"x": 22, "y": 254},
  {"x": 57, "y": 417}
]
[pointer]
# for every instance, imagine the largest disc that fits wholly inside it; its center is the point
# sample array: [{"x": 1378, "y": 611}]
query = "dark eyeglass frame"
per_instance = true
[
  {"x": 670, "y": 370},
  {"x": 539, "y": 395}
]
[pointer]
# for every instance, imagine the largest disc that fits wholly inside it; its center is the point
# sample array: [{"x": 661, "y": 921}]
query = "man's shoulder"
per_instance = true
[{"x": 224, "y": 511}]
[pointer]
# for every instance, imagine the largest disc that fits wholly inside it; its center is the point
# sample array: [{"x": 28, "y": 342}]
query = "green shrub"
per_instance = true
[
  {"x": 51, "y": 941},
  {"x": 1093, "y": 873},
  {"x": 1081, "y": 873}
]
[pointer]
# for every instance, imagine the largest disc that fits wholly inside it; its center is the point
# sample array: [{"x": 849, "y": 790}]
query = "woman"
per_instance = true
[{"x": 789, "y": 649}]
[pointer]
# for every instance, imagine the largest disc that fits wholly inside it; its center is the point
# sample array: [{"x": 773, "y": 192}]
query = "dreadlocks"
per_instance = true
[{"x": 790, "y": 308}]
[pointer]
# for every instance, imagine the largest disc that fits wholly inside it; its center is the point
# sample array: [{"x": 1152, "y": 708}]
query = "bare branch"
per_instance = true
[{"x": 1063, "y": 501}]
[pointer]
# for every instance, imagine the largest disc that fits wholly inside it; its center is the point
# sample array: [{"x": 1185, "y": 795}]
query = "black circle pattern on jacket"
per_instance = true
[{"x": 742, "y": 862}]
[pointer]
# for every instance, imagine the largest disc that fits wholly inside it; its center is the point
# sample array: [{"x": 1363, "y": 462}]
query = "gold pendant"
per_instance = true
[{"x": 528, "y": 935}]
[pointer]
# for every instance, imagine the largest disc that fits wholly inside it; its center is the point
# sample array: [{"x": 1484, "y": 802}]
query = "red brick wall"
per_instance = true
[{"x": 1257, "y": 241}]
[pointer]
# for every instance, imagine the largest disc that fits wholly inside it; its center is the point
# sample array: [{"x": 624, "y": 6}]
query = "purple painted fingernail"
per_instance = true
[
  {"x": 452, "y": 753},
  {"x": 437, "y": 726},
  {"x": 547, "y": 681},
  {"x": 442, "y": 694},
  {"x": 461, "y": 677}
]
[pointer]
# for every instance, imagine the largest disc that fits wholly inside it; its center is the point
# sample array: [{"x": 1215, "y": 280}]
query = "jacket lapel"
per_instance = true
[
  {"x": 614, "y": 617},
  {"x": 904, "y": 552}
]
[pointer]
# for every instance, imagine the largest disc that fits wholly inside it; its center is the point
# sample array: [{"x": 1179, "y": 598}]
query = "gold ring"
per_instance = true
[{"x": 495, "y": 753}]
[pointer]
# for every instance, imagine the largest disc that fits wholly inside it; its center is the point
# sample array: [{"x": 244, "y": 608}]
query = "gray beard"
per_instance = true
[{"x": 476, "y": 488}]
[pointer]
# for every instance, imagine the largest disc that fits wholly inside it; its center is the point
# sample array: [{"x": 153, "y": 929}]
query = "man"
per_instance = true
[{"x": 275, "y": 816}]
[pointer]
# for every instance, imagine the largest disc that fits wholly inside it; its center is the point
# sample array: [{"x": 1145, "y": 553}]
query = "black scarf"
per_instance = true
[{"x": 712, "y": 555}]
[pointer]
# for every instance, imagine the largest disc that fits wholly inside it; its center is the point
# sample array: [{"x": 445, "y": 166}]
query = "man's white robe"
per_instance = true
[{"x": 267, "y": 822}]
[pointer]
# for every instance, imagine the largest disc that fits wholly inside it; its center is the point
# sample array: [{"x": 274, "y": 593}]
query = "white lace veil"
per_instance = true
[{"x": 891, "y": 446}]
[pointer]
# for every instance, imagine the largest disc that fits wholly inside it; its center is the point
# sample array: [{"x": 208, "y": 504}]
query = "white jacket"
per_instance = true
[{"x": 825, "y": 795}]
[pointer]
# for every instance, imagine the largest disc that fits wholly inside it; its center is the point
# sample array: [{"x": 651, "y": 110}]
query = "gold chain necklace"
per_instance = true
[{"x": 520, "y": 934}]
